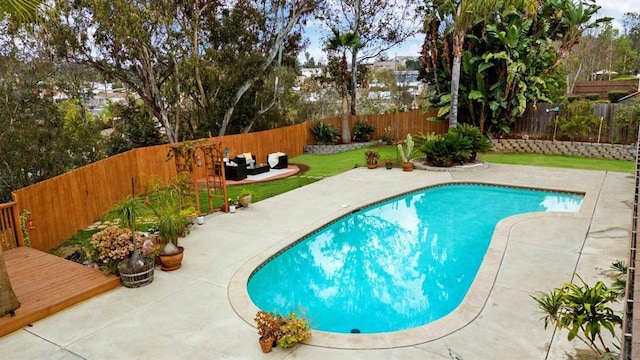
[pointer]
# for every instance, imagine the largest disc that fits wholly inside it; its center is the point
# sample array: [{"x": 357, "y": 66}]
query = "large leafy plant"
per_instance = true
[
  {"x": 583, "y": 310},
  {"x": 362, "y": 131},
  {"x": 508, "y": 60},
  {"x": 325, "y": 134},
  {"x": 451, "y": 149}
]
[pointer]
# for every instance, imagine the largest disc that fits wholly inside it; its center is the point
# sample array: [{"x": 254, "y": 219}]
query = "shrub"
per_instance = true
[
  {"x": 577, "y": 122},
  {"x": 325, "y": 134},
  {"x": 615, "y": 96},
  {"x": 293, "y": 330},
  {"x": 451, "y": 149},
  {"x": 592, "y": 97},
  {"x": 362, "y": 131},
  {"x": 627, "y": 114},
  {"x": 111, "y": 246},
  {"x": 268, "y": 324},
  {"x": 584, "y": 311},
  {"x": 573, "y": 98},
  {"x": 479, "y": 142},
  {"x": 460, "y": 147}
]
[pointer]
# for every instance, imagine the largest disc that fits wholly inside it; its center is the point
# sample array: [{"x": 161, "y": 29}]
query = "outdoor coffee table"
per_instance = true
[{"x": 258, "y": 169}]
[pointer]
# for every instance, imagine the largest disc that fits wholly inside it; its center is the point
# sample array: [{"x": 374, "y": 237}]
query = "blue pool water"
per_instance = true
[{"x": 400, "y": 264}]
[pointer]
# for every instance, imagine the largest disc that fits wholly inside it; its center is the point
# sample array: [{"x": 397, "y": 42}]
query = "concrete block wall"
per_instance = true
[
  {"x": 568, "y": 148},
  {"x": 334, "y": 149}
]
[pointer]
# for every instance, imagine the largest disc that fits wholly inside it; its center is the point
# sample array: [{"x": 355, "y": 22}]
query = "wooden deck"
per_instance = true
[{"x": 46, "y": 284}]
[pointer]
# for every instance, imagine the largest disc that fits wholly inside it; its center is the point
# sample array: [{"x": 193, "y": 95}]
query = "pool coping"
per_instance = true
[{"x": 468, "y": 310}]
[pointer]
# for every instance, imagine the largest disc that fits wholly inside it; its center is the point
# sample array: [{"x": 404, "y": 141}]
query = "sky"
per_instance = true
[{"x": 411, "y": 47}]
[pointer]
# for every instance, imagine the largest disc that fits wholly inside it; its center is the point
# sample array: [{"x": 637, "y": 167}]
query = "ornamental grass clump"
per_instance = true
[{"x": 111, "y": 246}]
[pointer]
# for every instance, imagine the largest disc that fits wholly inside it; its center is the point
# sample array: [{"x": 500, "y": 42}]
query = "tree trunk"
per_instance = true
[
  {"x": 346, "y": 134},
  {"x": 8, "y": 300},
  {"x": 455, "y": 79},
  {"x": 354, "y": 80}
]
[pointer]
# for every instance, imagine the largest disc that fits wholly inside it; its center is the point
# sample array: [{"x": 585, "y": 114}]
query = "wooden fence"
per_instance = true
[
  {"x": 539, "y": 122},
  {"x": 602, "y": 88},
  {"x": 10, "y": 232},
  {"x": 396, "y": 125},
  {"x": 65, "y": 204}
]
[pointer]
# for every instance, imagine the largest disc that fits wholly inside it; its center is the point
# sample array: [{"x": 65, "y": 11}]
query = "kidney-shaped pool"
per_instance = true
[{"x": 398, "y": 264}]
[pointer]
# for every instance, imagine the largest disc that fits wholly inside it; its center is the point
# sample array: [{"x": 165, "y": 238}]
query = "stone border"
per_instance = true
[
  {"x": 418, "y": 163},
  {"x": 338, "y": 148},
  {"x": 567, "y": 148}
]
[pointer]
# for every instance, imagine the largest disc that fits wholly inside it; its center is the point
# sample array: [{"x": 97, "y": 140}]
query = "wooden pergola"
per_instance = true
[{"x": 188, "y": 156}]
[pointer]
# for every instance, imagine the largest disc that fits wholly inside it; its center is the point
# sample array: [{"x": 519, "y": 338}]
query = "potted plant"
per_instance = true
[
  {"x": 388, "y": 163},
  {"x": 170, "y": 226},
  {"x": 137, "y": 270},
  {"x": 245, "y": 196},
  {"x": 293, "y": 330},
  {"x": 372, "y": 157},
  {"x": 406, "y": 152},
  {"x": 268, "y": 326}
]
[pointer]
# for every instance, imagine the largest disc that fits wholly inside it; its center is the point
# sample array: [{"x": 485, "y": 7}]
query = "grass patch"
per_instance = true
[
  {"x": 328, "y": 165},
  {"x": 262, "y": 190},
  {"x": 333, "y": 164},
  {"x": 568, "y": 162}
]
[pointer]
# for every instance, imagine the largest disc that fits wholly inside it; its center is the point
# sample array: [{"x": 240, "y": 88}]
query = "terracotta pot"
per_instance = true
[
  {"x": 372, "y": 166},
  {"x": 407, "y": 166},
  {"x": 266, "y": 344},
  {"x": 173, "y": 261}
]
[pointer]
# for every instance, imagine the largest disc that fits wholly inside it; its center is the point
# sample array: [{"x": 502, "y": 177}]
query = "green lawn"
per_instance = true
[
  {"x": 569, "y": 162},
  {"x": 333, "y": 164},
  {"x": 320, "y": 166}
]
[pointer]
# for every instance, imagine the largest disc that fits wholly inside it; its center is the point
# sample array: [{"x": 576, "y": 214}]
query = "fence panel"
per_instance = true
[
  {"x": 602, "y": 88},
  {"x": 538, "y": 122},
  {"x": 395, "y": 125},
  {"x": 10, "y": 232},
  {"x": 62, "y": 205}
]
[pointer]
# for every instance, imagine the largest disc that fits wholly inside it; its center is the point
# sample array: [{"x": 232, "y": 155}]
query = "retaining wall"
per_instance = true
[
  {"x": 569, "y": 148},
  {"x": 334, "y": 149}
]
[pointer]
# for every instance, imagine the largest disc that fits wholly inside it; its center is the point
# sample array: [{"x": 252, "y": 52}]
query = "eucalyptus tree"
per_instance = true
[
  {"x": 183, "y": 59},
  {"x": 252, "y": 43},
  {"x": 379, "y": 25},
  {"x": 631, "y": 21},
  {"x": 124, "y": 40}
]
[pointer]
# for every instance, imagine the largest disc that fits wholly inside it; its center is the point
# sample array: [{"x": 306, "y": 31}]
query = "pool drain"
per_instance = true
[{"x": 355, "y": 331}]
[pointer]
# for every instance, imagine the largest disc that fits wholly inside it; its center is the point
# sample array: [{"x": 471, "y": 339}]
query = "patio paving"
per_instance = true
[{"x": 188, "y": 314}]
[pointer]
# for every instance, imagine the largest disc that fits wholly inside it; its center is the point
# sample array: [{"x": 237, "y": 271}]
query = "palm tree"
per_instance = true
[
  {"x": 21, "y": 10},
  {"x": 341, "y": 43}
]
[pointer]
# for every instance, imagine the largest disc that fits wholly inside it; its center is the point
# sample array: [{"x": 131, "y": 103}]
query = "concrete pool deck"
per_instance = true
[{"x": 191, "y": 313}]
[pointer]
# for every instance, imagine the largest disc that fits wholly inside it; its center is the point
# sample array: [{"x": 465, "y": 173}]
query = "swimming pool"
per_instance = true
[{"x": 400, "y": 264}]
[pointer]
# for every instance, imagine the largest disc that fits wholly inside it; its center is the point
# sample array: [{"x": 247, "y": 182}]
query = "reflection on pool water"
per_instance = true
[{"x": 400, "y": 264}]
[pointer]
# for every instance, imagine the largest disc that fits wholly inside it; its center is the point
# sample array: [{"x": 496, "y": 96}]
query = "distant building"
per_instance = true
[{"x": 393, "y": 64}]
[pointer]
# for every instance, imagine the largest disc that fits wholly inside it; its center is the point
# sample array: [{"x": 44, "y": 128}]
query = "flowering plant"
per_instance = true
[
  {"x": 113, "y": 245},
  {"x": 152, "y": 246}
]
